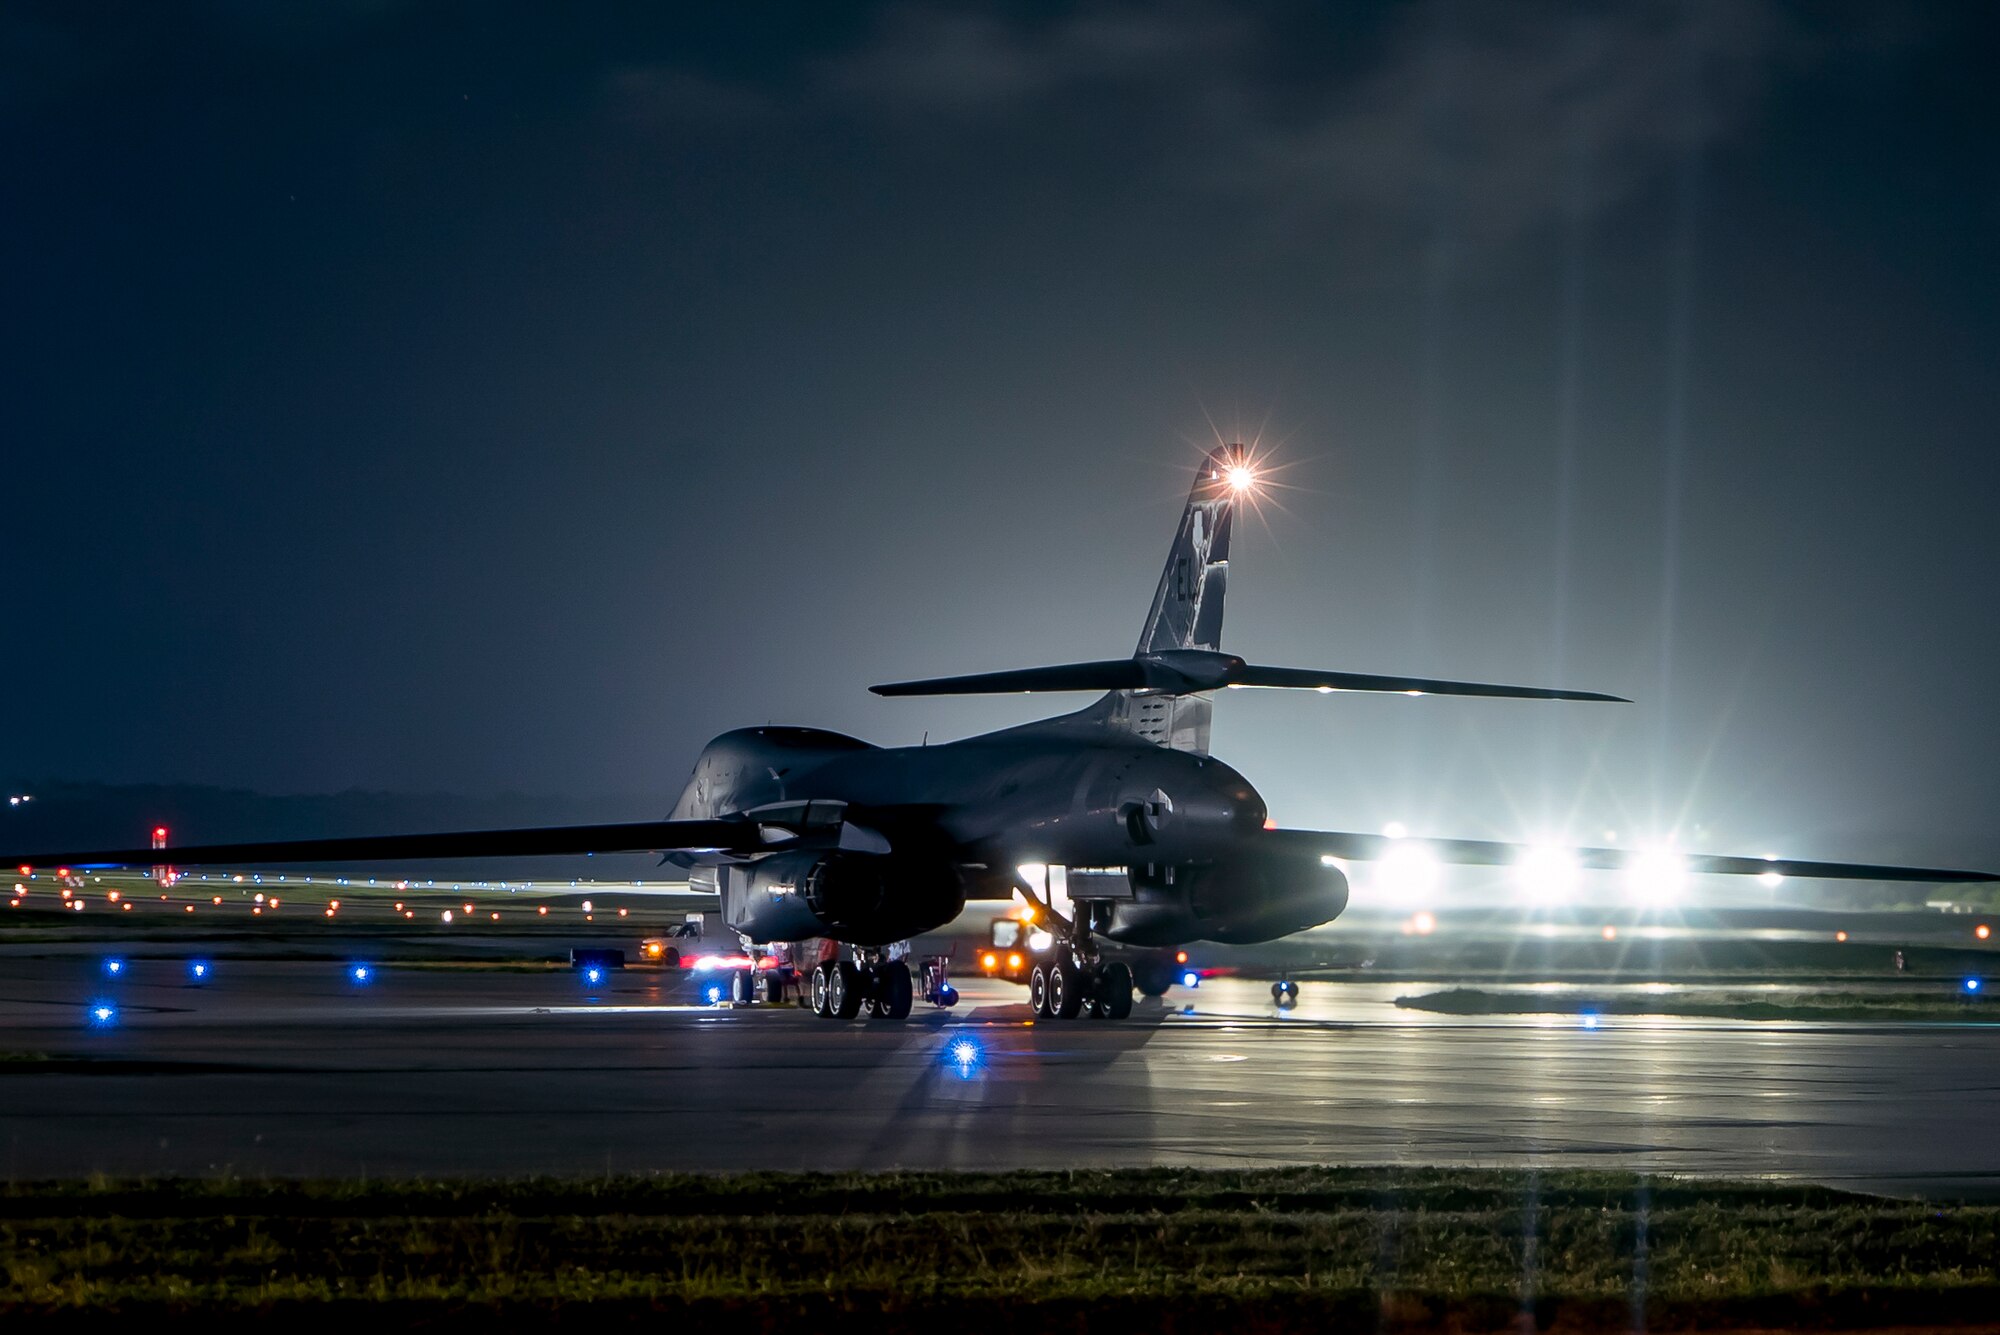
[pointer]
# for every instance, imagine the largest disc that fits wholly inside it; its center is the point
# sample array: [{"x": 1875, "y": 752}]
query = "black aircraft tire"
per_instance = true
[
  {"x": 822, "y": 978},
  {"x": 774, "y": 988},
  {"x": 1038, "y": 990},
  {"x": 894, "y": 994},
  {"x": 1114, "y": 992},
  {"x": 844, "y": 991},
  {"x": 1066, "y": 989}
]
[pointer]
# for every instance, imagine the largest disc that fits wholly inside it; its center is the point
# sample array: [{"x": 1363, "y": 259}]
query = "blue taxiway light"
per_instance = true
[
  {"x": 1190, "y": 979},
  {"x": 1972, "y": 984},
  {"x": 114, "y": 967},
  {"x": 714, "y": 993},
  {"x": 360, "y": 973},
  {"x": 1589, "y": 1019},
  {"x": 593, "y": 975},
  {"x": 101, "y": 1015},
  {"x": 198, "y": 970},
  {"x": 964, "y": 1057}
]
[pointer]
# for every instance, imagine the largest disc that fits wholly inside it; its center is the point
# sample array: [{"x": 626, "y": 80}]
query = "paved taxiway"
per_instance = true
[{"x": 288, "y": 1067}]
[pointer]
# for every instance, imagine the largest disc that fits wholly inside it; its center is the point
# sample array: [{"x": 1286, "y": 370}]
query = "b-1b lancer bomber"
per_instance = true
[{"x": 1144, "y": 837}]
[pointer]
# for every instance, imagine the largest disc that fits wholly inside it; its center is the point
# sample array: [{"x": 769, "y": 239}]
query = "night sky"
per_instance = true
[{"x": 505, "y": 398}]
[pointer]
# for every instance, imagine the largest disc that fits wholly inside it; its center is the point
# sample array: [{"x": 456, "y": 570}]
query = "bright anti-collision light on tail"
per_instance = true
[{"x": 1241, "y": 477}]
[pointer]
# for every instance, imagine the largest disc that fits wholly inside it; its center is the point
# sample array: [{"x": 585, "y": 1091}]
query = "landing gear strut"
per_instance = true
[{"x": 1075, "y": 980}]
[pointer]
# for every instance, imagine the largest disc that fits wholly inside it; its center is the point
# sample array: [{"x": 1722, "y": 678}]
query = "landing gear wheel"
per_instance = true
[
  {"x": 821, "y": 988},
  {"x": 1038, "y": 990},
  {"x": 1066, "y": 988},
  {"x": 1114, "y": 992},
  {"x": 1285, "y": 992},
  {"x": 774, "y": 988},
  {"x": 843, "y": 991},
  {"x": 893, "y": 991},
  {"x": 740, "y": 985}
]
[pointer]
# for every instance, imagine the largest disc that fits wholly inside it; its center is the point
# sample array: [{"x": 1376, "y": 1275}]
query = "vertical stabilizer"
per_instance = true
[{"x": 1187, "y": 607}]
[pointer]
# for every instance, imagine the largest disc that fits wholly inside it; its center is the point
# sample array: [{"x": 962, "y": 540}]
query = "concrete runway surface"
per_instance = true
[{"x": 291, "y": 1068}]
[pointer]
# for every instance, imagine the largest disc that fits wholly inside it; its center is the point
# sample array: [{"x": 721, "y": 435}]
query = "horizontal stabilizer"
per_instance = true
[
  {"x": 1486, "y": 853},
  {"x": 1189, "y": 671}
]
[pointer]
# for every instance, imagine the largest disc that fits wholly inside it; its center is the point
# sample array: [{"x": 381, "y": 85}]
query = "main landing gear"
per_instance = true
[
  {"x": 1075, "y": 980},
  {"x": 877, "y": 984}
]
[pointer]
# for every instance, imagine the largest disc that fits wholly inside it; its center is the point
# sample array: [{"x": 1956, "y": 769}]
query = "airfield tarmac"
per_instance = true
[{"x": 290, "y": 1068}]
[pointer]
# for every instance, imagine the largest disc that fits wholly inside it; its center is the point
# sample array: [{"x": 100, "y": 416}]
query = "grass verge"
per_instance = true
[{"x": 1169, "y": 1250}]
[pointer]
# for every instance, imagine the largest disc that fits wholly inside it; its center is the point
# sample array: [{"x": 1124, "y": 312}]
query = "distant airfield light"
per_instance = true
[
  {"x": 114, "y": 967},
  {"x": 1189, "y": 978},
  {"x": 1840, "y": 935},
  {"x": 468, "y": 908},
  {"x": 360, "y": 973},
  {"x": 1610, "y": 933},
  {"x": 1972, "y": 985},
  {"x": 198, "y": 970},
  {"x": 188, "y": 908},
  {"x": 399, "y": 906},
  {"x": 542, "y": 911},
  {"x": 593, "y": 974},
  {"x": 445, "y": 916},
  {"x": 1658, "y": 875},
  {"x": 714, "y": 993},
  {"x": 65, "y": 893},
  {"x": 126, "y": 907},
  {"x": 1408, "y": 872},
  {"x": 1982, "y": 931},
  {"x": 216, "y": 900},
  {"x": 1548, "y": 871},
  {"x": 621, "y": 913},
  {"x": 101, "y": 1015},
  {"x": 496, "y": 917},
  {"x": 1589, "y": 1019},
  {"x": 260, "y": 898},
  {"x": 586, "y": 906},
  {"x": 333, "y": 904},
  {"x": 1423, "y": 923},
  {"x": 112, "y": 896}
]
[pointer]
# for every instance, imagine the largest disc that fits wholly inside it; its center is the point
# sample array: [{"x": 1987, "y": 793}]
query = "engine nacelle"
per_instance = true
[
  {"x": 865, "y": 899},
  {"x": 1241, "y": 901}
]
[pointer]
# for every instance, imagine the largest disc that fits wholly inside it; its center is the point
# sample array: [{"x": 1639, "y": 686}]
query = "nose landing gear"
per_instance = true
[{"x": 1285, "y": 993}]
